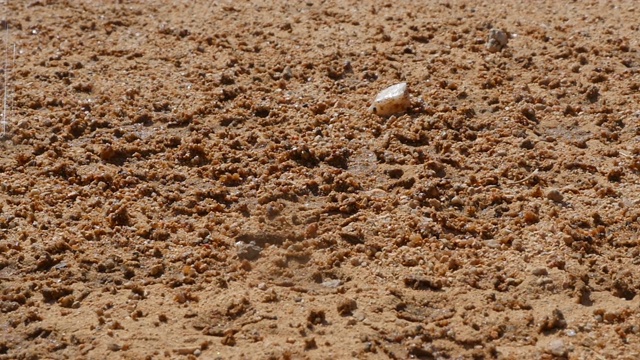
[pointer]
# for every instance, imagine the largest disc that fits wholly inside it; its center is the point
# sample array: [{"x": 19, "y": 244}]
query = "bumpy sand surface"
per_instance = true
[{"x": 202, "y": 179}]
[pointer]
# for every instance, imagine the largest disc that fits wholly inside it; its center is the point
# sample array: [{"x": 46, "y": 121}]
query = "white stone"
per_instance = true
[
  {"x": 392, "y": 100},
  {"x": 249, "y": 251},
  {"x": 557, "y": 348},
  {"x": 332, "y": 283},
  {"x": 497, "y": 40}
]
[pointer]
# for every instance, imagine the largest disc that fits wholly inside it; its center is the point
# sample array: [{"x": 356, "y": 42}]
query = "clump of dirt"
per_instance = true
[{"x": 204, "y": 179}]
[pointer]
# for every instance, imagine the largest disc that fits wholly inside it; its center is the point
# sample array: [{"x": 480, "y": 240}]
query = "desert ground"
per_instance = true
[{"x": 204, "y": 179}]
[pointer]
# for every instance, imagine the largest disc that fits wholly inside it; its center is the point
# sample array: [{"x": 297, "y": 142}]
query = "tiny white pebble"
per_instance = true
[{"x": 392, "y": 100}]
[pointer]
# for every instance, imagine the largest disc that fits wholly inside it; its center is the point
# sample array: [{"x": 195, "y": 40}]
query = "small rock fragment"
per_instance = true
[
  {"x": 593, "y": 94},
  {"x": 392, "y": 100},
  {"x": 497, "y": 40},
  {"x": 555, "y": 195},
  {"x": 249, "y": 251},
  {"x": 353, "y": 238},
  {"x": 346, "y": 306},
  {"x": 540, "y": 271},
  {"x": 493, "y": 244},
  {"x": 156, "y": 270},
  {"x": 553, "y": 322},
  {"x": 185, "y": 351},
  {"x": 527, "y": 144},
  {"x": 310, "y": 344},
  {"x": 423, "y": 282},
  {"x": 229, "y": 340},
  {"x": 332, "y": 284},
  {"x": 287, "y": 74},
  {"x": 557, "y": 348},
  {"x": 67, "y": 301},
  {"x": 9, "y": 306},
  {"x": 316, "y": 317},
  {"x": 216, "y": 330}
]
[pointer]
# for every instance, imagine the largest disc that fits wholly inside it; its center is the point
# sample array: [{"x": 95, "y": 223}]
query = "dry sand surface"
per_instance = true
[{"x": 202, "y": 179}]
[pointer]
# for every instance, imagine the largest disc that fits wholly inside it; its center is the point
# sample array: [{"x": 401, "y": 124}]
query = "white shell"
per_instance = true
[{"x": 392, "y": 100}]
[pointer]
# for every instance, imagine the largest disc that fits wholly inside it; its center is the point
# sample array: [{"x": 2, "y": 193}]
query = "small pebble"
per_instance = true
[
  {"x": 156, "y": 270},
  {"x": 346, "y": 306},
  {"x": 332, "y": 283},
  {"x": 287, "y": 73},
  {"x": 527, "y": 144},
  {"x": 497, "y": 40},
  {"x": 392, "y": 100},
  {"x": 494, "y": 244},
  {"x": 555, "y": 195},
  {"x": 186, "y": 351},
  {"x": 249, "y": 251},
  {"x": 557, "y": 348},
  {"x": 540, "y": 272}
]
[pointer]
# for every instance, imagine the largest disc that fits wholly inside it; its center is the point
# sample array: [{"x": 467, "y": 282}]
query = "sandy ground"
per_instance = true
[{"x": 202, "y": 179}]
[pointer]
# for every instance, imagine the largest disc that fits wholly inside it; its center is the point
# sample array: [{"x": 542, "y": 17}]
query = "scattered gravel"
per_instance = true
[{"x": 197, "y": 179}]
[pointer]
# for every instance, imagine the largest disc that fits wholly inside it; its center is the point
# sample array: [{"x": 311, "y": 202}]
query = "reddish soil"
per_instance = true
[{"x": 202, "y": 179}]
